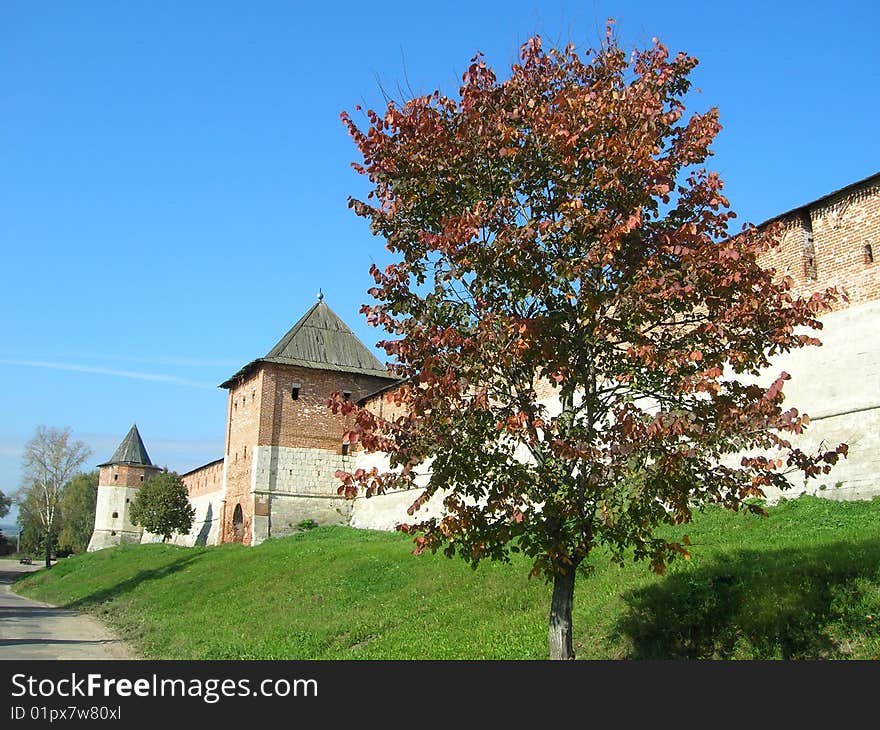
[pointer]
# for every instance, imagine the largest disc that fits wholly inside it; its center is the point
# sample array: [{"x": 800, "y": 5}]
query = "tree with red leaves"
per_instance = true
[{"x": 554, "y": 231}]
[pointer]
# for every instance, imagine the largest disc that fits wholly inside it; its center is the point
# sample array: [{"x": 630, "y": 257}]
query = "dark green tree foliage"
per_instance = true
[
  {"x": 162, "y": 506},
  {"x": 5, "y": 504},
  {"x": 78, "y": 512},
  {"x": 33, "y": 534}
]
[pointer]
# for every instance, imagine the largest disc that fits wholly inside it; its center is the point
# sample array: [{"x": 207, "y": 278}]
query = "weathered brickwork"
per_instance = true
[
  {"x": 242, "y": 434},
  {"x": 205, "y": 479},
  {"x": 383, "y": 404},
  {"x": 306, "y": 421},
  {"x": 123, "y": 475},
  {"x": 834, "y": 242}
]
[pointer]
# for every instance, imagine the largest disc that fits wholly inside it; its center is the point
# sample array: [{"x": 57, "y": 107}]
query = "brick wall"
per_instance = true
[
  {"x": 124, "y": 475},
  {"x": 242, "y": 433},
  {"x": 841, "y": 226},
  {"x": 383, "y": 405},
  {"x": 307, "y": 421},
  {"x": 205, "y": 479}
]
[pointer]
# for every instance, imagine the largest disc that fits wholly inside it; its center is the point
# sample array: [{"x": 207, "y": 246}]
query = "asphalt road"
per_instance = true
[{"x": 33, "y": 630}]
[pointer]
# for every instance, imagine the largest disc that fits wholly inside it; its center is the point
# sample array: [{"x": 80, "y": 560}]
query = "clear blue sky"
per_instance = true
[{"x": 174, "y": 175}]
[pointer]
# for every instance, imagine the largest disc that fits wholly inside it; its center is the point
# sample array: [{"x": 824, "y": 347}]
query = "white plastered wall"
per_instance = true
[{"x": 110, "y": 530}]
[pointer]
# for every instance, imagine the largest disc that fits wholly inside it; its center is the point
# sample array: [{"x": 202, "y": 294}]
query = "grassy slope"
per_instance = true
[{"x": 803, "y": 583}]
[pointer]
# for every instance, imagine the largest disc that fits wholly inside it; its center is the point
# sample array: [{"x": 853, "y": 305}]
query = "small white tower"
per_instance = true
[{"x": 118, "y": 482}]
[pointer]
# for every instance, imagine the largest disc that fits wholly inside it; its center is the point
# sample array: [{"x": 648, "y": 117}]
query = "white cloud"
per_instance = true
[
  {"x": 165, "y": 360},
  {"x": 133, "y": 374}
]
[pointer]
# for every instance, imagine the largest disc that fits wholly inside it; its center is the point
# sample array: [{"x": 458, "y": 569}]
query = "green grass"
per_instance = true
[{"x": 802, "y": 583}]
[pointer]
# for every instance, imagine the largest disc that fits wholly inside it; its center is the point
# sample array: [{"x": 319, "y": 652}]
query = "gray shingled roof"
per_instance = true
[
  {"x": 130, "y": 451},
  {"x": 320, "y": 339}
]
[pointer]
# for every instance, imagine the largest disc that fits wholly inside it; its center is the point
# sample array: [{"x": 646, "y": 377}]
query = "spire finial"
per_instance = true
[{"x": 320, "y": 295}]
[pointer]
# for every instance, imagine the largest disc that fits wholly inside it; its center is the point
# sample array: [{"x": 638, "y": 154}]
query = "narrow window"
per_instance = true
[
  {"x": 869, "y": 254},
  {"x": 115, "y": 515},
  {"x": 115, "y": 477},
  {"x": 142, "y": 477},
  {"x": 345, "y": 449},
  {"x": 810, "y": 271},
  {"x": 346, "y": 395},
  {"x": 294, "y": 390}
]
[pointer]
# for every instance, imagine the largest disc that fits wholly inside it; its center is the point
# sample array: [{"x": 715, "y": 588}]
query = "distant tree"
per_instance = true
[
  {"x": 78, "y": 512},
  {"x": 32, "y": 535},
  {"x": 162, "y": 506},
  {"x": 5, "y": 504},
  {"x": 51, "y": 459},
  {"x": 556, "y": 229}
]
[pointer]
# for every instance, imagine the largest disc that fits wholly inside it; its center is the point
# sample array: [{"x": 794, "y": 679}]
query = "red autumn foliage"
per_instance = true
[{"x": 554, "y": 230}]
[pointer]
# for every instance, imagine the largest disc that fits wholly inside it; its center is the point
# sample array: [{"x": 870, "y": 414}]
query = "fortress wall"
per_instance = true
[
  {"x": 296, "y": 483},
  {"x": 206, "y": 523},
  {"x": 838, "y": 386},
  {"x": 857, "y": 476},
  {"x": 205, "y": 479},
  {"x": 824, "y": 245},
  {"x": 289, "y": 510},
  {"x": 842, "y": 226},
  {"x": 386, "y": 511}
]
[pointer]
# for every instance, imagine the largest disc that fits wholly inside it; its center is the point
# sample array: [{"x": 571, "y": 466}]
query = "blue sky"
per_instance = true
[{"x": 174, "y": 175}]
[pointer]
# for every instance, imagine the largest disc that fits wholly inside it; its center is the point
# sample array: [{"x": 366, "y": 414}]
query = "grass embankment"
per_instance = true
[{"x": 802, "y": 583}]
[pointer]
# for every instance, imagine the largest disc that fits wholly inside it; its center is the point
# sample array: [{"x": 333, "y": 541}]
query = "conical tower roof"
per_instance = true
[
  {"x": 130, "y": 451},
  {"x": 320, "y": 339}
]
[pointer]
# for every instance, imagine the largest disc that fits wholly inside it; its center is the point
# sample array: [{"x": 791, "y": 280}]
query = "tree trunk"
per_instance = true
[
  {"x": 560, "y": 614},
  {"x": 48, "y": 549}
]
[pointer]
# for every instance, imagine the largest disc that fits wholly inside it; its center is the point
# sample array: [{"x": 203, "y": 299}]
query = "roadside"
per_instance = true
[{"x": 33, "y": 630}]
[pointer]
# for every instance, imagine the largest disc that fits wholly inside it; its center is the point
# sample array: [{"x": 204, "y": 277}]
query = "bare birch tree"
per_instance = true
[{"x": 51, "y": 458}]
